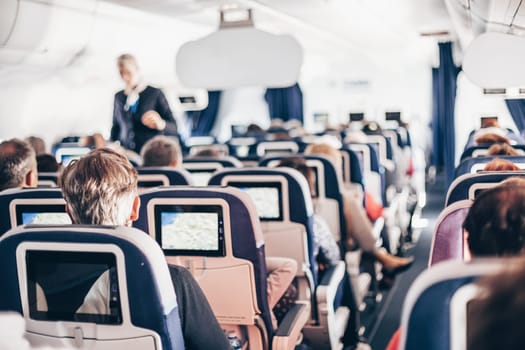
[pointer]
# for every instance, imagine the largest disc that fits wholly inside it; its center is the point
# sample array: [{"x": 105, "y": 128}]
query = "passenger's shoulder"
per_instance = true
[{"x": 179, "y": 272}]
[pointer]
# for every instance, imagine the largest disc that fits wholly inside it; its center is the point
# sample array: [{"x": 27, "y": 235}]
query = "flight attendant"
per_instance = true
[{"x": 140, "y": 111}]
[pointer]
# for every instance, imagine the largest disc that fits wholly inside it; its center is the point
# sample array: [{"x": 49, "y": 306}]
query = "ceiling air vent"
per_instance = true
[{"x": 495, "y": 91}]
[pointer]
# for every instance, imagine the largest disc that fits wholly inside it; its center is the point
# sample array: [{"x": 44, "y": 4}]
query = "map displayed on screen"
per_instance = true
[
  {"x": 46, "y": 219},
  {"x": 266, "y": 201},
  {"x": 190, "y": 231}
]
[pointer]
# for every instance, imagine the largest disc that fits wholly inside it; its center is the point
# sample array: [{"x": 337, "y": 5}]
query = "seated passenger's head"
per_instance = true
[
  {"x": 17, "y": 165},
  {"x": 326, "y": 150},
  {"x": 94, "y": 141},
  {"x": 47, "y": 163},
  {"x": 101, "y": 189},
  {"x": 491, "y": 138},
  {"x": 210, "y": 152},
  {"x": 502, "y": 149},
  {"x": 37, "y": 143},
  {"x": 161, "y": 151},
  {"x": 495, "y": 224},
  {"x": 496, "y": 316},
  {"x": 514, "y": 181},
  {"x": 299, "y": 164},
  {"x": 498, "y": 164}
]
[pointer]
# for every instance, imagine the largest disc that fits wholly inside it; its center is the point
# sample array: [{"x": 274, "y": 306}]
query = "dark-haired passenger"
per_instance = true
[
  {"x": 161, "y": 151},
  {"x": 497, "y": 313},
  {"x": 494, "y": 227},
  {"x": 47, "y": 163},
  {"x": 495, "y": 224},
  {"x": 17, "y": 165}
]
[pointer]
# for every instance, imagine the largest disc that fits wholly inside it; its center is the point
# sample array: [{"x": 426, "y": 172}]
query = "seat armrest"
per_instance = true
[
  {"x": 333, "y": 275},
  {"x": 289, "y": 332},
  {"x": 379, "y": 224}
]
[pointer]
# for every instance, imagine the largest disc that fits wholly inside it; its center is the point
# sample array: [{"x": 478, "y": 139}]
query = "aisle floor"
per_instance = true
[{"x": 387, "y": 316}]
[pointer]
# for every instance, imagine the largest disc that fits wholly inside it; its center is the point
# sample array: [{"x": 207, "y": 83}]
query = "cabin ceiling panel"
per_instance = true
[{"x": 333, "y": 28}]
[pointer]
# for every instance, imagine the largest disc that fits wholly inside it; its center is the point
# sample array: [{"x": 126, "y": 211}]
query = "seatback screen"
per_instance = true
[
  {"x": 393, "y": 116},
  {"x": 267, "y": 197},
  {"x": 190, "y": 229},
  {"x": 41, "y": 214},
  {"x": 149, "y": 184},
  {"x": 356, "y": 117},
  {"x": 73, "y": 286}
]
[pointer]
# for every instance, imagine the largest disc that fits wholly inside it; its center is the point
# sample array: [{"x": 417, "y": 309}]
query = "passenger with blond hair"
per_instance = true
[{"x": 101, "y": 189}]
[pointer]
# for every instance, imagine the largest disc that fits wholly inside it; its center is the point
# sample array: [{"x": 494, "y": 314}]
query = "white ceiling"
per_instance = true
[{"x": 371, "y": 28}]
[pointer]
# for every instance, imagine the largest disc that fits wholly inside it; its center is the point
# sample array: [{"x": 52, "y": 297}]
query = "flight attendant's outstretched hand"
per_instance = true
[{"x": 153, "y": 120}]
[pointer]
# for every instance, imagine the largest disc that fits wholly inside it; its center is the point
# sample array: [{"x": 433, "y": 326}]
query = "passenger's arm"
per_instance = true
[
  {"x": 200, "y": 328},
  {"x": 325, "y": 241}
]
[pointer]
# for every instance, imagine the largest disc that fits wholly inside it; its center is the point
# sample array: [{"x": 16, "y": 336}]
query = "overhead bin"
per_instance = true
[
  {"x": 44, "y": 32},
  {"x": 237, "y": 55},
  {"x": 495, "y": 60}
]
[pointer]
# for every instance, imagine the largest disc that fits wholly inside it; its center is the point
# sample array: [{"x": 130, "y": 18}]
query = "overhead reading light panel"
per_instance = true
[
  {"x": 239, "y": 55},
  {"x": 495, "y": 60}
]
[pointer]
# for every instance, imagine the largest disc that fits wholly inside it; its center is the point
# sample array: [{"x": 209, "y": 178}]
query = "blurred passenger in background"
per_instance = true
[
  {"x": 161, "y": 151},
  {"x": 499, "y": 164},
  {"x": 47, "y": 163},
  {"x": 358, "y": 227},
  {"x": 37, "y": 143},
  {"x": 502, "y": 149}
]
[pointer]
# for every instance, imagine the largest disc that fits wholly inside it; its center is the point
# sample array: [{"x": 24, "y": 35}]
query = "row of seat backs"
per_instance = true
[
  {"x": 148, "y": 304},
  {"x": 243, "y": 239},
  {"x": 508, "y": 133},
  {"x": 295, "y": 200},
  {"x": 244, "y": 243},
  {"x": 329, "y": 189},
  {"x": 481, "y": 151},
  {"x": 240, "y": 218},
  {"x": 435, "y": 315},
  {"x": 467, "y": 186},
  {"x": 474, "y": 165}
]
